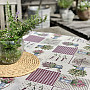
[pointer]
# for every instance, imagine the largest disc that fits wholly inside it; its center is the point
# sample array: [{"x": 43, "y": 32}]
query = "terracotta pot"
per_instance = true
[
  {"x": 89, "y": 12},
  {"x": 83, "y": 15}
]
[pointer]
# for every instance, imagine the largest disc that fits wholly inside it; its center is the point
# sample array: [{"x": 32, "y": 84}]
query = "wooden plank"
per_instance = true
[
  {"x": 13, "y": 9},
  {"x": 2, "y": 17},
  {"x": 3, "y": 2},
  {"x": 37, "y": 3},
  {"x": 19, "y": 9},
  {"x": 12, "y": 3},
  {"x": 6, "y": 16}
]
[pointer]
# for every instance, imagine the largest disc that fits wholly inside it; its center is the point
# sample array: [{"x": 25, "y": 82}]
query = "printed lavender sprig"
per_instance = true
[{"x": 64, "y": 58}]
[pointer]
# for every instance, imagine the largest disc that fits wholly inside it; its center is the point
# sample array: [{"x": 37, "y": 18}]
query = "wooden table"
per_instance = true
[{"x": 80, "y": 28}]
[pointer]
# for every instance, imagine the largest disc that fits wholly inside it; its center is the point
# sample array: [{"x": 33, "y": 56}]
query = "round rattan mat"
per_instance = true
[{"x": 25, "y": 65}]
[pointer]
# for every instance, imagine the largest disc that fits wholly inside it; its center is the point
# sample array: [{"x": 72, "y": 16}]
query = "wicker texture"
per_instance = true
[{"x": 25, "y": 65}]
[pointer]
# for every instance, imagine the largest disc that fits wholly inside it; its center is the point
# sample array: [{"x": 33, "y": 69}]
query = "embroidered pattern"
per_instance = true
[
  {"x": 4, "y": 82},
  {"x": 36, "y": 52},
  {"x": 65, "y": 50},
  {"x": 43, "y": 76},
  {"x": 78, "y": 71},
  {"x": 87, "y": 47},
  {"x": 70, "y": 44},
  {"x": 72, "y": 83},
  {"x": 82, "y": 61},
  {"x": 45, "y": 47},
  {"x": 78, "y": 83},
  {"x": 52, "y": 65},
  {"x": 29, "y": 85},
  {"x": 78, "y": 62},
  {"x": 83, "y": 52},
  {"x": 56, "y": 36},
  {"x": 33, "y": 38},
  {"x": 50, "y": 41}
]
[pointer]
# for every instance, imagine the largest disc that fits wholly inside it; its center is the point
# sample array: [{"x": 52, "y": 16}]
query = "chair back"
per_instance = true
[{"x": 15, "y": 6}]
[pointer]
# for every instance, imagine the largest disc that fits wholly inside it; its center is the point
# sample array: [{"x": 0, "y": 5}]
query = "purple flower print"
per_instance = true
[{"x": 36, "y": 52}]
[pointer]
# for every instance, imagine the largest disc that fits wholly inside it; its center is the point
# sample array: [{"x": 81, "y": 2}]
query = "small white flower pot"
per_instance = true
[{"x": 32, "y": 10}]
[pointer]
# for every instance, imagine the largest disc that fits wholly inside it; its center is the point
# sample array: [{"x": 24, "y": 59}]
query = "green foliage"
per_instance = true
[
  {"x": 17, "y": 29},
  {"x": 84, "y": 5},
  {"x": 9, "y": 45},
  {"x": 10, "y": 56},
  {"x": 65, "y": 3},
  {"x": 77, "y": 72},
  {"x": 10, "y": 38},
  {"x": 10, "y": 51}
]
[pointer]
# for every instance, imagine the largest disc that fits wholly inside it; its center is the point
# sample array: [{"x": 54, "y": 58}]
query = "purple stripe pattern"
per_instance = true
[
  {"x": 43, "y": 76},
  {"x": 65, "y": 50},
  {"x": 33, "y": 38}
]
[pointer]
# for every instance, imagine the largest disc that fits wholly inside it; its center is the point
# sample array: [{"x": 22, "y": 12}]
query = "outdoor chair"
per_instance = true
[{"x": 15, "y": 7}]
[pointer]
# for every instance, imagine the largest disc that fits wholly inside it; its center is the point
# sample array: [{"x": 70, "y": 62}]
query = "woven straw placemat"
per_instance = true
[{"x": 25, "y": 65}]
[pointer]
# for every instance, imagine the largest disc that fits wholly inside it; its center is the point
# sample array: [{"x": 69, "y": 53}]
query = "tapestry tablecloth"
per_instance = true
[{"x": 64, "y": 64}]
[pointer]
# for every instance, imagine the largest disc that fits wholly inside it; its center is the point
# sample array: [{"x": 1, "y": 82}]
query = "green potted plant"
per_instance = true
[
  {"x": 65, "y": 14},
  {"x": 83, "y": 11},
  {"x": 42, "y": 11},
  {"x": 64, "y": 5},
  {"x": 11, "y": 42}
]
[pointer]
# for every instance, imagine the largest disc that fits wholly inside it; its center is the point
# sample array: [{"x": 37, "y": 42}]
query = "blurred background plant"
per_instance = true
[
  {"x": 84, "y": 5},
  {"x": 65, "y": 3},
  {"x": 83, "y": 10}
]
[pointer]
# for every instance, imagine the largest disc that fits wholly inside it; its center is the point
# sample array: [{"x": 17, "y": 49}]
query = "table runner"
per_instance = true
[{"x": 64, "y": 63}]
